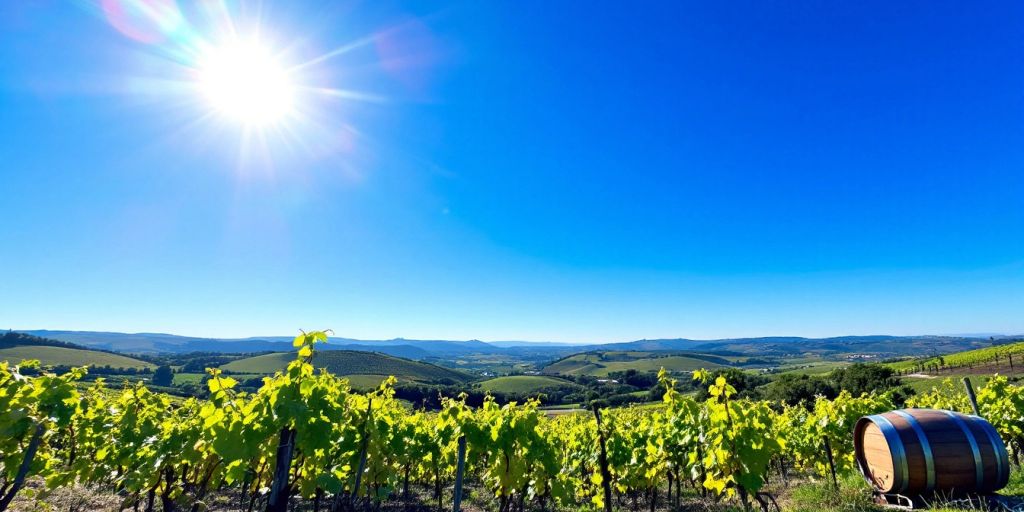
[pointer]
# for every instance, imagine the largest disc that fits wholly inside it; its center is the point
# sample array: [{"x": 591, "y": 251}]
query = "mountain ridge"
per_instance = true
[{"x": 143, "y": 343}]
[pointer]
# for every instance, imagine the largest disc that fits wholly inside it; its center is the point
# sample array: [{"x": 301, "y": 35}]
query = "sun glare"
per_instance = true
[{"x": 246, "y": 83}]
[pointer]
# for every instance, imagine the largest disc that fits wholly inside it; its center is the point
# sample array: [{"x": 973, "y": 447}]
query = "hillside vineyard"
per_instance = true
[{"x": 305, "y": 434}]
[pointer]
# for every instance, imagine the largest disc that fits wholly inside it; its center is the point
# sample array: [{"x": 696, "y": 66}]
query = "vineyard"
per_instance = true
[
  {"x": 347, "y": 362},
  {"x": 306, "y": 439},
  {"x": 1006, "y": 358}
]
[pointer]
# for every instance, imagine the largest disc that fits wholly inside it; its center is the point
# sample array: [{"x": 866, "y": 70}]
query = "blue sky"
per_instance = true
[{"x": 562, "y": 171}]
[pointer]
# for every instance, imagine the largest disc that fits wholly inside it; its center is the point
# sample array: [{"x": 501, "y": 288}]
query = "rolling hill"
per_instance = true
[
  {"x": 151, "y": 343},
  {"x": 600, "y": 364},
  {"x": 16, "y": 347},
  {"x": 60, "y": 356},
  {"x": 525, "y": 384},
  {"x": 883, "y": 346},
  {"x": 347, "y": 362}
]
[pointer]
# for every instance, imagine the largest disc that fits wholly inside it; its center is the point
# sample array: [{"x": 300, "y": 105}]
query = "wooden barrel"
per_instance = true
[{"x": 922, "y": 451}]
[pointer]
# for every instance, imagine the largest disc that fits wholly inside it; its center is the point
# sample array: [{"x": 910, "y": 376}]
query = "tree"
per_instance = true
[
  {"x": 865, "y": 378},
  {"x": 163, "y": 376},
  {"x": 797, "y": 389},
  {"x": 868, "y": 378},
  {"x": 744, "y": 384}
]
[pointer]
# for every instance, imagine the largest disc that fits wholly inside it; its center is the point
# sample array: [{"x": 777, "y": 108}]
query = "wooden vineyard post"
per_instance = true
[
  {"x": 606, "y": 477},
  {"x": 26, "y": 462},
  {"x": 831, "y": 462},
  {"x": 278, "y": 501},
  {"x": 362, "y": 452},
  {"x": 970, "y": 395},
  {"x": 459, "y": 471}
]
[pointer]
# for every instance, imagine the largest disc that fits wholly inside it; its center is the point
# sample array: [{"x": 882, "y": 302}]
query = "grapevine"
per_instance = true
[{"x": 306, "y": 435}]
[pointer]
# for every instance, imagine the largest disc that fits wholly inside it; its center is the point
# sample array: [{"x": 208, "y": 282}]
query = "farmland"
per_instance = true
[
  {"x": 987, "y": 360},
  {"x": 63, "y": 356},
  {"x": 346, "y": 362},
  {"x": 525, "y": 384},
  {"x": 601, "y": 364}
]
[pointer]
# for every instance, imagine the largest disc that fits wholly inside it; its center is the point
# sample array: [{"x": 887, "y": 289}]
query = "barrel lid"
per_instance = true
[{"x": 900, "y": 470}]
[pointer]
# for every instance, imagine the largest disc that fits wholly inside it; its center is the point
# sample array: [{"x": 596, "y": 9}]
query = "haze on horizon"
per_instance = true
[
  {"x": 342, "y": 339},
  {"x": 406, "y": 170}
]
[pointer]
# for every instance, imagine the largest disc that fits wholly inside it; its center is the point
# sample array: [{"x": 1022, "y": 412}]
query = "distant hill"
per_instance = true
[
  {"x": 533, "y": 344},
  {"x": 151, "y": 343},
  {"x": 16, "y": 347},
  {"x": 882, "y": 346},
  {"x": 602, "y": 363},
  {"x": 404, "y": 351},
  {"x": 346, "y": 362}
]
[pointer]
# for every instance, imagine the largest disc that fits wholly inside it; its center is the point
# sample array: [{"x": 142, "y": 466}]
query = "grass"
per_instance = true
[
  {"x": 58, "y": 356},
  {"x": 365, "y": 382},
  {"x": 815, "y": 368},
  {"x": 351, "y": 363},
  {"x": 197, "y": 378},
  {"x": 601, "y": 364},
  {"x": 925, "y": 384},
  {"x": 525, "y": 384},
  {"x": 853, "y": 495},
  {"x": 182, "y": 378},
  {"x": 557, "y": 407}
]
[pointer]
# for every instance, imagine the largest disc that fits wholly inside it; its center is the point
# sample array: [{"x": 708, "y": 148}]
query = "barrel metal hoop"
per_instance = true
[
  {"x": 892, "y": 436},
  {"x": 926, "y": 448},
  {"x": 998, "y": 448},
  {"x": 979, "y": 468}
]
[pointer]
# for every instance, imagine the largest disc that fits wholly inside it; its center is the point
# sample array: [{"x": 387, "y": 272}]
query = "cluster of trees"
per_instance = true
[
  {"x": 15, "y": 339},
  {"x": 100, "y": 371},
  {"x": 856, "y": 379},
  {"x": 791, "y": 389}
]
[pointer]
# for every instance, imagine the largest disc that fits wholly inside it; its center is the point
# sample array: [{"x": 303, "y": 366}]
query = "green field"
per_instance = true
[
  {"x": 196, "y": 378},
  {"x": 352, "y": 363},
  {"x": 924, "y": 384},
  {"x": 357, "y": 381},
  {"x": 58, "y": 356},
  {"x": 368, "y": 382},
  {"x": 815, "y": 368},
  {"x": 600, "y": 364},
  {"x": 525, "y": 384}
]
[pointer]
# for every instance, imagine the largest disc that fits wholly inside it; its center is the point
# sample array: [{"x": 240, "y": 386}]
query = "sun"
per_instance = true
[{"x": 246, "y": 83}]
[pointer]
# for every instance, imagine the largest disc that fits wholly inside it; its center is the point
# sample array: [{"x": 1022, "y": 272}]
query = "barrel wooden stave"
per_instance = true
[{"x": 897, "y": 450}]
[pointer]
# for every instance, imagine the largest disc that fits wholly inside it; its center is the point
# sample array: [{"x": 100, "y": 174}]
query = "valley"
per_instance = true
[{"x": 560, "y": 375}]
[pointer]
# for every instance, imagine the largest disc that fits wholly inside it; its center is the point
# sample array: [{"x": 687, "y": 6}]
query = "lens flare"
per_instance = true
[
  {"x": 245, "y": 82},
  {"x": 146, "y": 21},
  {"x": 236, "y": 80}
]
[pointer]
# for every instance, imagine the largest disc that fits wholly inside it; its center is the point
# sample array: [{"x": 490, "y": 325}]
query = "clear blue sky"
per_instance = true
[{"x": 564, "y": 171}]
